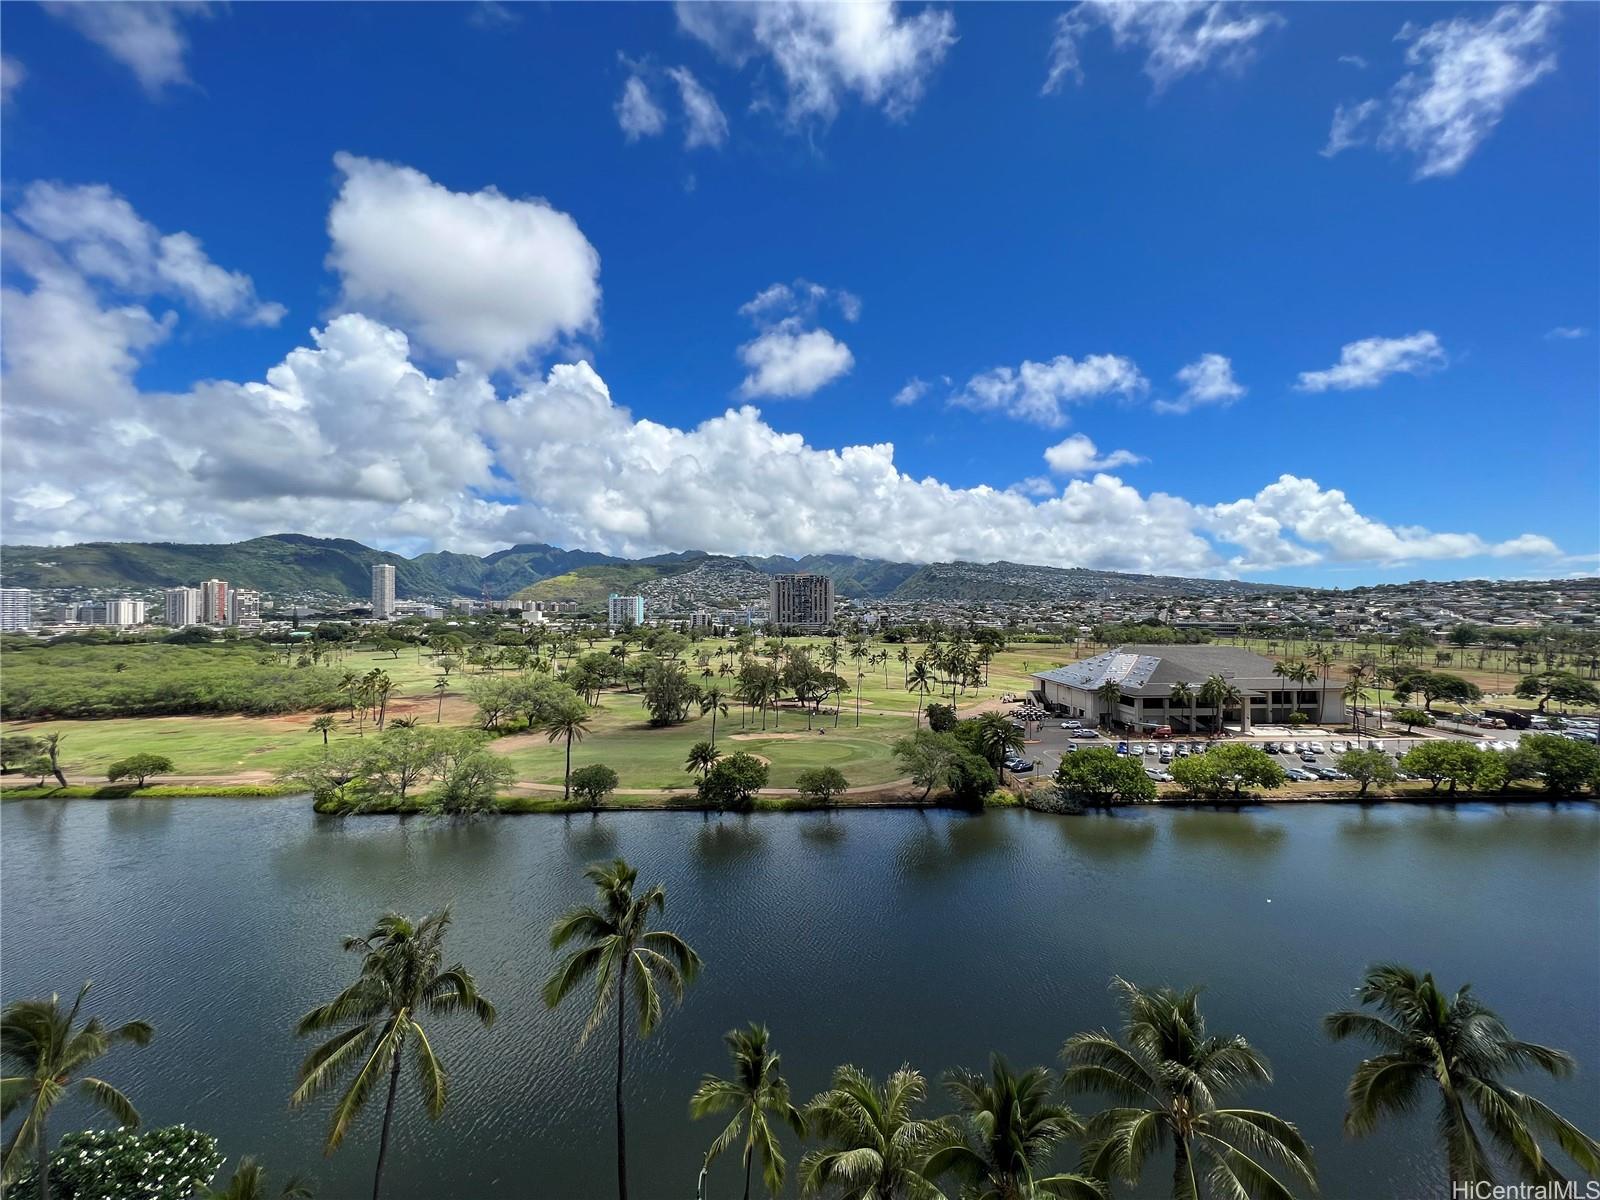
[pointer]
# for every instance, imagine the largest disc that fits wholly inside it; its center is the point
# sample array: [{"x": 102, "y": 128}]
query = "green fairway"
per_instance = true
[{"x": 250, "y": 750}]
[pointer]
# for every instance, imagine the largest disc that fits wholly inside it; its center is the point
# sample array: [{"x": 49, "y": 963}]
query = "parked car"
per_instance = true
[
  {"x": 1087, "y": 735},
  {"x": 1122, "y": 747},
  {"x": 1158, "y": 776},
  {"x": 1308, "y": 757},
  {"x": 1299, "y": 775},
  {"x": 1072, "y": 747},
  {"x": 1318, "y": 748},
  {"x": 1339, "y": 747}
]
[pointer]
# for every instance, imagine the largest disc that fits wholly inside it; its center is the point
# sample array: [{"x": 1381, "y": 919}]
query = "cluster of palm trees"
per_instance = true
[
  {"x": 1170, "y": 1084},
  {"x": 367, "y": 696}
]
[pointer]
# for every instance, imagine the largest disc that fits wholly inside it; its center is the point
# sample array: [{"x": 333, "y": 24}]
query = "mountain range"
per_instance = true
[{"x": 293, "y": 564}]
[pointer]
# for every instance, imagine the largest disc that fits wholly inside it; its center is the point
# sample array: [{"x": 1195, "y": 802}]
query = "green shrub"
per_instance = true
[{"x": 172, "y": 1163}]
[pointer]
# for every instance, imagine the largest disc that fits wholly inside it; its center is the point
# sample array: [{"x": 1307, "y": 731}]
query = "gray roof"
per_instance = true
[{"x": 1153, "y": 670}]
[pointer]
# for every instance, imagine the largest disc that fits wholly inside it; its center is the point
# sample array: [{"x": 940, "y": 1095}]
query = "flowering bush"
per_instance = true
[{"x": 124, "y": 1164}]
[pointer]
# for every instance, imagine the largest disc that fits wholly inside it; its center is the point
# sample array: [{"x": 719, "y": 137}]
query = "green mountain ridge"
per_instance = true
[{"x": 290, "y": 564}]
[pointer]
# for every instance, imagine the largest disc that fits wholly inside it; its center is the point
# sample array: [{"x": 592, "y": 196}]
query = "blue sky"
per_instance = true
[{"x": 1125, "y": 236}]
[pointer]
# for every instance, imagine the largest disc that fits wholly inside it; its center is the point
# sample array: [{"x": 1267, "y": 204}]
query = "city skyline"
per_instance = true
[{"x": 1150, "y": 306}]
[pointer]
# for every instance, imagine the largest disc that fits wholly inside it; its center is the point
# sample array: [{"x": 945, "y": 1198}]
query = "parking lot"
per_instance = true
[{"x": 1306, "y": 755}]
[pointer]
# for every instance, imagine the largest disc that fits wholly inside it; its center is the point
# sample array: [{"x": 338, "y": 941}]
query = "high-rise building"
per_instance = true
[
  {"x": 244, "y": 607},
  {"x": 801, "y": 601},
  {"x": 16, "y": 609},
  {"x": 214, "y": 602},
  {"x": 623, "y": 612},
  {"x": 183, "y": 607},
  {"x": 382, "y": 591},
  {"x": 125, "y": 612}
]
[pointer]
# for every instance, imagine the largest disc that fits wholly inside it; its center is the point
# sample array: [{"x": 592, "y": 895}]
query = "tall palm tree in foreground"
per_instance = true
[
  {"x": 1428, "y": 1040},
  {"x": 755, "y": 1094},
  {"x": 920, "y": 680},
  {"x": 875, "y": 1147},
  {"x": 1181, "y": 694},
  {"x": 620, "y": 951},
  {"x": 997, "y": 737},
  {"x": 1166, "y": 1077},
  {"x": 402, "y": 976},
  {"x": 44, "y": 1052},
  {"x": 1011, "y": 1125}
]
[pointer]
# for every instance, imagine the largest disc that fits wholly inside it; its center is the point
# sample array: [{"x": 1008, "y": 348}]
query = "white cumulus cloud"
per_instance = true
[
  {"x": 12, "y": 73},
  {"x": 1038, "y": 391},
  {"x": 1177, "y": 36},
  {"x": 100, "y": 234},
  {"x": 1567, "y": 333},
  {"x": 1368, "y": 362},
  {"x": 915, "y": 389},
  {"x": 826, "y": 50},
  {"x": 1207, "y": 380},
  {"x": 1462, "y": 74},
  {"x": 147, "y": 37},
  {"x": 790, "y": 360},
  {"x": 478, "y": 275},
  {"x": 1077, "y": 455}
]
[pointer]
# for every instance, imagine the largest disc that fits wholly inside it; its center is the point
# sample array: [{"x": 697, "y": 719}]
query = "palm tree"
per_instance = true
[
  {"x": 401, "y": 975},
  {"x": 323, "y": 725},
  {"x": 1182, "y": 693},
  {"x": 1166, "y": 1077},
  {"x": 1323, "y": 658},
  {"x": 249, "y": 1182},
  {"x": 1461, "y": 1047},
  {"x": 713, "y": 700},
  {"x": 1288, "y": 672},
  {"x": 995, "y": 737},
  {"x": 756, "y": 1091},
  {"x": 440, "y": 686},
  {"x": 1355, "y": 695},
  {"x": 702, "y": 757},
  {"x": 52, "y": 752},
  {"x": 1010, "y": 1126},
  {"x": 1109, "y": 694},
  {"x": 43, "y": 1056},
  {"x": 875, "y": 1147},
  {"x": 620, "y": 950},
  {"x": 570, "y": 721},
  {"x": 920, "y": 680}
]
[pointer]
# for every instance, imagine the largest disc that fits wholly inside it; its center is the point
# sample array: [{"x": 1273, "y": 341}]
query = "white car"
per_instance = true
[
  {"x": 1299, "y": 747},
  {"x": 1340, "y": 747},
  {"x": 1151, "y": 748},
  {"x": 1318, "y": 748}
]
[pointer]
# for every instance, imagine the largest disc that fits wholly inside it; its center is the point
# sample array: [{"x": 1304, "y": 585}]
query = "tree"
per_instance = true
[
  {"x": 928, "y": 758},
  {"x": 1182, "y": 694},
  {"x": 971, "y": 779},
  {"x": 941, "y": 717},
  {"x": 570, "y": 720},
  {"x": 403, "y": 758},
  {"x": 593, "y": 784},
  {"x": 1167, "y": 1077},
  {"x": 820, "y": 785},
  {"x": 470, "y": 782},
  {"x": 19, "y": 750},
  {"x": 1412, "y": 717},
  {"x": 919, "y": 680},
  {"x": 756, "y": 1093},
  {"x": 1442, "y": 760},
  {"x": 335, "y": 776},
  {"x": 249, "y": 1182},
  {"x": 1008, "y": 1127},
  {"x": 702, "y": 757},
  {"x": 441, "y": 685},
  {"x": 1461, "y": 1047},
  {"x": 733, "y": 782},
  {"x": 323, "y": 725},
  {"x": 52, "y": 751},
  {"x": 1367, "y": 767},
  {"x": 1227, "y": 769},
  {"x": 44, "y": 1051},
  {"x": 1561, "y": 686},
  {"x": 620, "y": 951},
  {"x": 1436, "y": 685},
  {"x": 139, "y": 767},
  {"x": 1567, "y": 766},
  {"x": 1098, "y": 775},
  {"x": 668, "y": 693},
  {"x": 713, "y": 700},
  {"x": 1109, "y": 696},
  {"x": 495, "y": 697},
  {"x": 402, "y": 974},
  {"x": 874, "y": 1145},
  {"x": 994, "y": 737}
]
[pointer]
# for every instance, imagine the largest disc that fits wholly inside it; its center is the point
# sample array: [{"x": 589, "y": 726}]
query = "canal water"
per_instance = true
[{"x": 876, "y": 938}]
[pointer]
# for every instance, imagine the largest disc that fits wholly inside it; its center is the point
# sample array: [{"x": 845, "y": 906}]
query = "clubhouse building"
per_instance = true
[{"x": 1146, "y": 675}]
